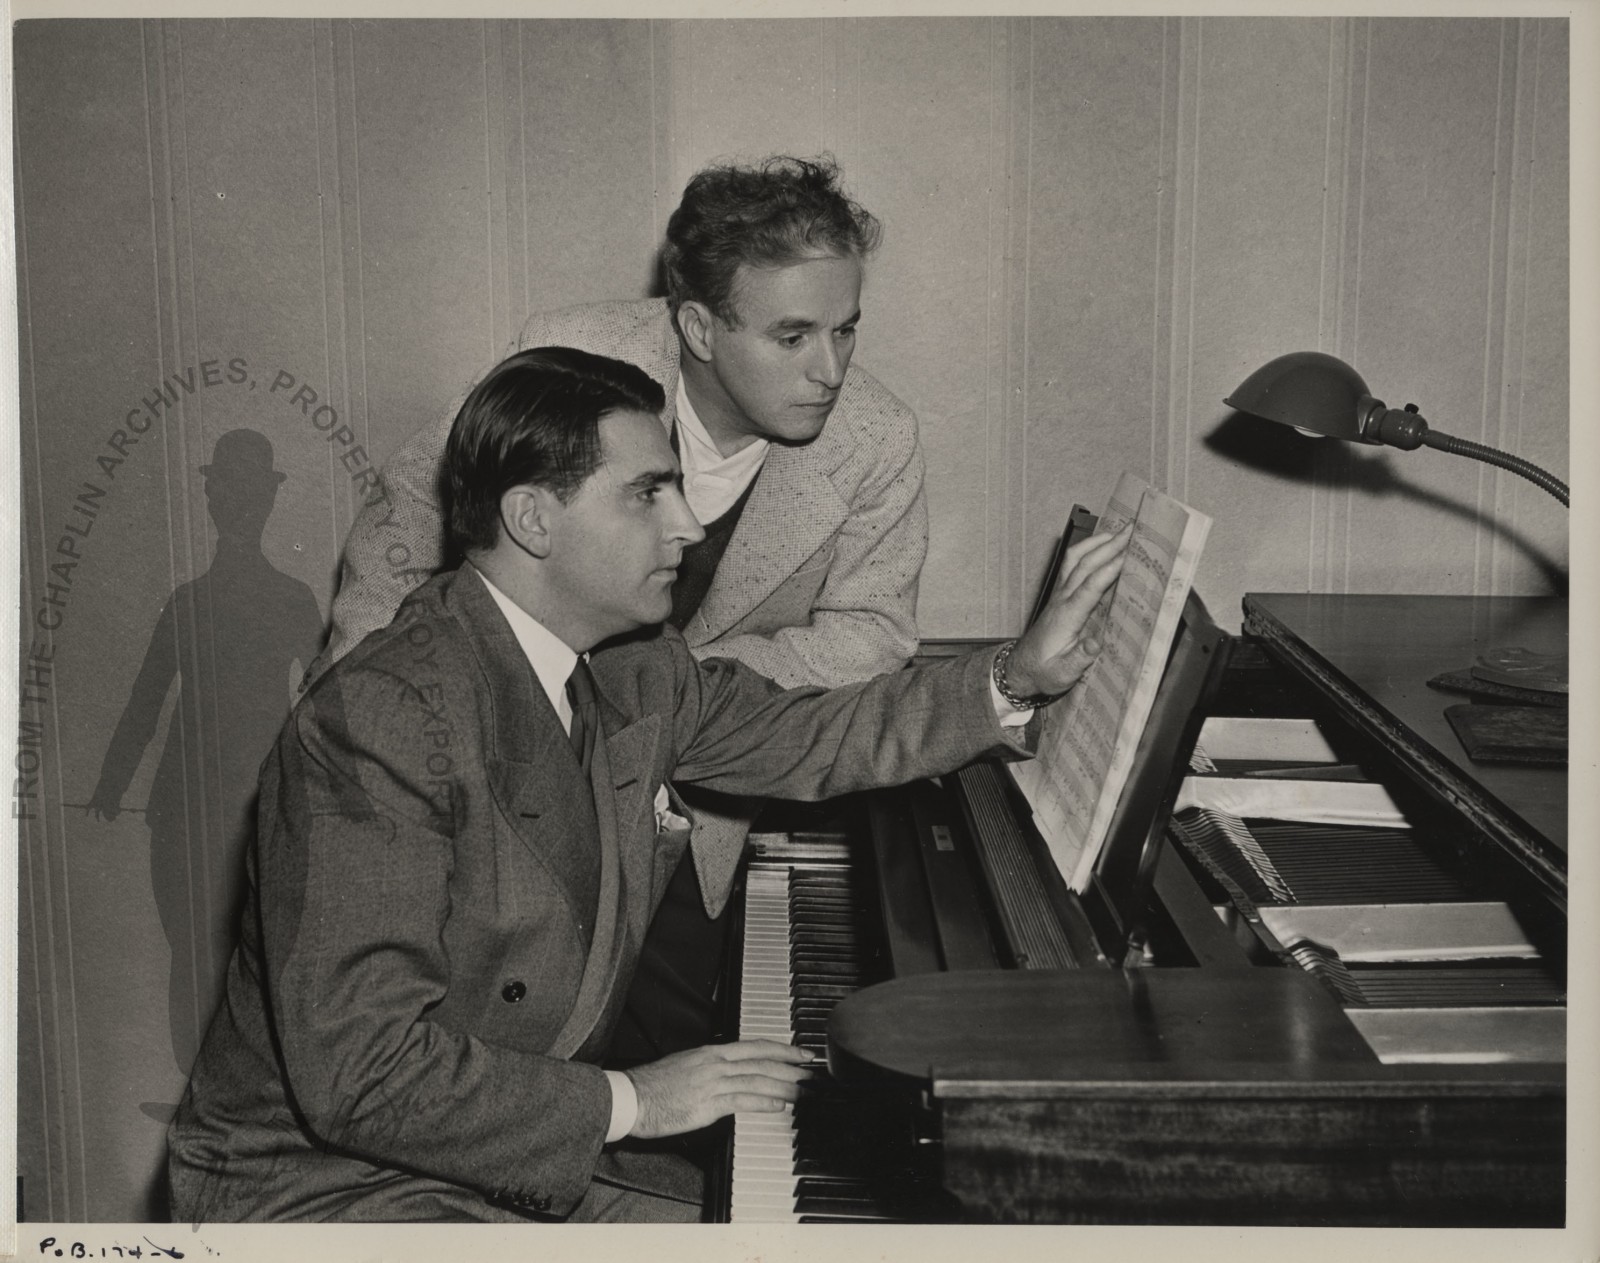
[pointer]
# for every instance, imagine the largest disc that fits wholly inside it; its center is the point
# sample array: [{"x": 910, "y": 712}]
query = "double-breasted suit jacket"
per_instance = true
[
  {"x": 442, "y": 919},
  {"x": 818, "y": 584}
]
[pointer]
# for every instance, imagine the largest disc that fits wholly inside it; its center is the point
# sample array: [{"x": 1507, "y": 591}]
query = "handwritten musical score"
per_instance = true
[{"x": 1089, "y": 737}]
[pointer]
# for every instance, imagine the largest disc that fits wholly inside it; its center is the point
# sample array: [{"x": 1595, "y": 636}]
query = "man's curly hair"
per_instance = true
[{"x": 774, "y": 214}]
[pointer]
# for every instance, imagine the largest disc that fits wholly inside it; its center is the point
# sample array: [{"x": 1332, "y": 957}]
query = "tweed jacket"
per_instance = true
[
  {"x": 818, "y": 584},
  {"x": 440, "y": 931}
]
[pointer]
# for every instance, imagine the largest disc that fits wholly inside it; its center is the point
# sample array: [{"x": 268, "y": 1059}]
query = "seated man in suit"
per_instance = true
[
  {"x": 804, "y": 471},
  {"x": 464, "y": 830}
]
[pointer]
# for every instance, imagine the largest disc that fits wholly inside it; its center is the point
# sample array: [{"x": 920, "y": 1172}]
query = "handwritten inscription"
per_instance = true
[{"x": 49, "y": 1247}]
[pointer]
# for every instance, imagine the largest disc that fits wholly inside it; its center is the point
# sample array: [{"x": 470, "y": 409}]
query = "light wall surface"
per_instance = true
[{"x": 1095, "y": 228}]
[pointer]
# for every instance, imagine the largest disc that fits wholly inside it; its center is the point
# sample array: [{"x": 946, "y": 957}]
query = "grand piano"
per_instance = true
[{"x": 1239, "y": 1021}]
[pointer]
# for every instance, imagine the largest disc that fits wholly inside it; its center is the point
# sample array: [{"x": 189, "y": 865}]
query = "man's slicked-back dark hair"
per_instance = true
[
  {"x": 771, "y": 215},
  {"x": 534, "y": 419}
]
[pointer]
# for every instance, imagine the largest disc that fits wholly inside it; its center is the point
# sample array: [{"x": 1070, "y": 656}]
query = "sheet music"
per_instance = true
[{"x": 1089, "y": 738}]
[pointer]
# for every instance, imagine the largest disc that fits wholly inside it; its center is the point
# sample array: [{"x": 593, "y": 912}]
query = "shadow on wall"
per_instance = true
[
  {"x": 230, "y": 637},
  {"x": 1336, "y": 465}
]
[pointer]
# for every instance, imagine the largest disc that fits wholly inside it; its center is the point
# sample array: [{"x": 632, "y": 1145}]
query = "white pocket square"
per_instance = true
[{"x": 667, "y": 820}]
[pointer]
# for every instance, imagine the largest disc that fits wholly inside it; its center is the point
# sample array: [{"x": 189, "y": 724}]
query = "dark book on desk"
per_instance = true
[
  {"x": 1510, "y": 734},
  {"x": 1504, "y": 694},
  {"x": 1523, "y": 668}
]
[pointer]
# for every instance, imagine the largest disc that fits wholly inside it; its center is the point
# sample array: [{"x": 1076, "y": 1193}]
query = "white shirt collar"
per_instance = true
[
  {"x": 712, "y": 482},
  {"x": 551, "y": 658}
]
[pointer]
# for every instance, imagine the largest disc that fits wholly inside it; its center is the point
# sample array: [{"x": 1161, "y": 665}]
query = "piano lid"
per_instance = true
[{"x": 1373, "y": 655}]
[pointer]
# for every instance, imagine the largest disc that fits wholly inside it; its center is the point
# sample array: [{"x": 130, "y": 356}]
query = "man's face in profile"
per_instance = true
[
  {"x": 783, "y": 363},
  {"x": 616, "y": 544}
]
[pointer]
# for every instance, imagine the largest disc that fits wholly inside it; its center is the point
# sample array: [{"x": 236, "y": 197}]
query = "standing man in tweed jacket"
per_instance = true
[{"x": 805, "y": 472}]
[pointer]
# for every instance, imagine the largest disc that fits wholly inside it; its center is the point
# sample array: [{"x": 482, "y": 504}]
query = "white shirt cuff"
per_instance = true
[
  {"x": 1009, "y": 716},
  {"x": 624, "y": 1105}
]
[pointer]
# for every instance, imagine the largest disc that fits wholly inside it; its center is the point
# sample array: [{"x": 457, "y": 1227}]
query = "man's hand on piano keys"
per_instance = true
[
  {"x": 689, "y": 1090},
  {"x": 1053, "y": 654}
]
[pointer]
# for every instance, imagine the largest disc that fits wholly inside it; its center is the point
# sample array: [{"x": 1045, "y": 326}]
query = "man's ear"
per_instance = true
[
  {"x": 697, "y": 325},
  {"x": 525, "y": 513}
]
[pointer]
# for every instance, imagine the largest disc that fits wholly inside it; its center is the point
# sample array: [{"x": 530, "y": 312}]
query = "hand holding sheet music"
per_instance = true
[
  {"x": 1069, "y": 633},
  {"x": 1089, "y": 739}
]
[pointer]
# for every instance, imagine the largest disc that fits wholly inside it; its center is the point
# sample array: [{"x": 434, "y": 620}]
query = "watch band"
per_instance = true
[{"x": 1004, "y": 689}]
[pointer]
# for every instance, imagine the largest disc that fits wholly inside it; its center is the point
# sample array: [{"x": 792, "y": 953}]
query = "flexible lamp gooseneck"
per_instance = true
[{"x": 1318, "y": 394}]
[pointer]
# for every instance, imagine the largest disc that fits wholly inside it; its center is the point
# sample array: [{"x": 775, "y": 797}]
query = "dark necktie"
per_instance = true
[{"x": 580, "y": 694}]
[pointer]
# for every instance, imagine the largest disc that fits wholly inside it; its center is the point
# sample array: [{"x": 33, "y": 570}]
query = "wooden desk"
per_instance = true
[{"x": 1372, "y": 657}]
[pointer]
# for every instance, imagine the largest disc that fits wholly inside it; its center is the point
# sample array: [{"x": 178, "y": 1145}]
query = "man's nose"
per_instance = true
[
  {"x": 827, "y": 367},
  {"x": 684, "y": 525}
]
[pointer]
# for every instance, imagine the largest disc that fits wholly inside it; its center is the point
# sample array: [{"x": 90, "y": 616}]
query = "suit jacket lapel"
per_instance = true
[
  {"x": 772, "y": 539},
  {"x": 531, "y": 765},
  {"x": 622, "y": 792},
  {"x": 605, "y": 947},
  {"x": 590, "y": 842},
  {"x": 631, "y": 755}
]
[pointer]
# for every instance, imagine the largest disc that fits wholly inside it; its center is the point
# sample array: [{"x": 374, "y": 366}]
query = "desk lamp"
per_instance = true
[{"x": 1320, "y": 395}]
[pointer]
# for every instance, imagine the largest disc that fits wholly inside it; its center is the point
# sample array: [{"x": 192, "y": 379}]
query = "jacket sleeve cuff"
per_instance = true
[
  {"x": 1009, "y": 716},
  {"x": 1014, "y": 732}
]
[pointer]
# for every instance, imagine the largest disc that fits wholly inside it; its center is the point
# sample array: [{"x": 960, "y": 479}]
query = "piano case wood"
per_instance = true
[{"x": 1135, "y": 1057}]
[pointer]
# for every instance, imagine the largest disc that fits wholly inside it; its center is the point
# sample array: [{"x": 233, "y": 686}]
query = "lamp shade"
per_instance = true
[{"x": 1310, "y": 390}]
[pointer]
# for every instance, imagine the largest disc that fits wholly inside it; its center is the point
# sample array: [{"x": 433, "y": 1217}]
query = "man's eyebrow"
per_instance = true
[
  {"x": 799, "y": 324},
  {"x": 652, "y": 478}
]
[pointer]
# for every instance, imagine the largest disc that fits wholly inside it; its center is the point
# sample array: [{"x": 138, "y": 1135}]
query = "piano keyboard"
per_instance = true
[
  {"x": 809, "y": 940},
  {"x": 763, "y": 1144}
]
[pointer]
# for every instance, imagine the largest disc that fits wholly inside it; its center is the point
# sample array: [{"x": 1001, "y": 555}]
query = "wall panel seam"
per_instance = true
[
  {"x": 488, "y": 177},
  {"x": 185, "y": 334},
  {"x": 322, "y": 268},
  {"x": 1186, "y": 418},
  {"x": 989, "y": 596},
  {"x": 361, "y": 253},
  {"x": 25, "y": 835},
  {"x": 332, "y": 282},
  {"x": 1027, "y": 287},
  {"x": 1166, "y": 192},
  {"x": 525, "y": 311},
  {"x": 1496, "y": 291},
  {"x": 1355, "y": 297}
]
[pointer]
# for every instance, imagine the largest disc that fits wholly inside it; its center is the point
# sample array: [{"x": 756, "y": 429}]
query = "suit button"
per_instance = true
[
  {"x": 512, "y": 992},
  {"x": 541, "y": 1204}
]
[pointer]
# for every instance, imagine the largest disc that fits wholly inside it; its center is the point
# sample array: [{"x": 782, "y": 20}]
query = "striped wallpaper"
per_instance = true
[{"x": 1095, "y": 228}]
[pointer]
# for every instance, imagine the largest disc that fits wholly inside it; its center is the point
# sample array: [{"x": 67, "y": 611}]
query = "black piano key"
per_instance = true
[
  {"x": 828, "y": 968},
  {"x": 847, "y": 977},
  {"x": 808, "y": 933},
  {"x": 845, "y": 1219},
  {"x": 815, "y": 990},
  {"x": 842, "y": 1207}
]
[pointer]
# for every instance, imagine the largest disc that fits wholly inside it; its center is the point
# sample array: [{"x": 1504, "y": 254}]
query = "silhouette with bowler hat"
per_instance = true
[{"x": 230, "y": 636}]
